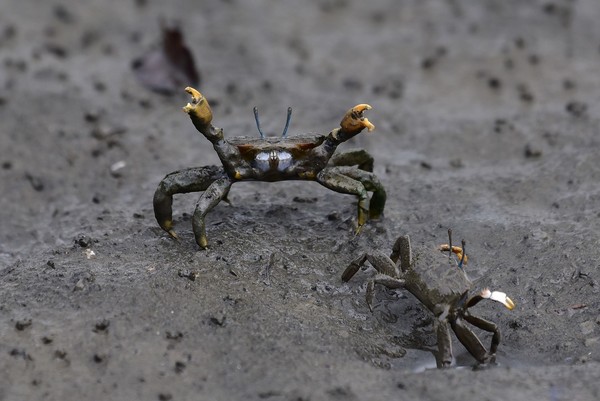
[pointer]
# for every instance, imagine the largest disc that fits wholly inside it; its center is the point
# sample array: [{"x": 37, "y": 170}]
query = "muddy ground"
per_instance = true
[{"x": 487, "y": 122}]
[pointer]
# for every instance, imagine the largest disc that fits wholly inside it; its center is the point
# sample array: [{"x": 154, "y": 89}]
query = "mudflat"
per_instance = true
[{"x": 486, "y": 118}]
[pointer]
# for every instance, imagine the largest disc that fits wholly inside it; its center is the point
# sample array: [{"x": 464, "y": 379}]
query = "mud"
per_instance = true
[{"x": 487, "y": 122}]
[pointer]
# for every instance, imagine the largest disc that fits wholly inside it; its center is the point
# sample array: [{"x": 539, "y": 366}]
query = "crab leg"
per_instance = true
[
  {"x": 444, "y": 342},
  {"x": 470, "y": 341},
  {"x": 379, "y": 260},
  {"x": 330, "y": 178},
  {"x": 489, "y": 327},
  {"x": 183, "y": 181},
  {"x": 402, "y": 251},
  {"x": 354, "y": 157},
  {"x": 210, "y": 198},
  {"x": 385, "y": 280},
  {"x": 371, "y": 183},
  {"x": 387, "y": 273}
]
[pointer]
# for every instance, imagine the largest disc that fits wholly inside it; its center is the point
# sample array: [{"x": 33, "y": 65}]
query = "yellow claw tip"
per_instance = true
[
  {"x": 362, "y": 107},
  {"x": 193, "y": 92},
  {"x": 173, "y": 234},
  {"x": 510, "y": 304}
]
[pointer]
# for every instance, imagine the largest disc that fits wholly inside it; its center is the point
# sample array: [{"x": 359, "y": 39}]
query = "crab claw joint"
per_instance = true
[
  {"x": 498, "y": 297},
  {"x": 198, "y": 108},
  {"x": 354, "y": 121}
]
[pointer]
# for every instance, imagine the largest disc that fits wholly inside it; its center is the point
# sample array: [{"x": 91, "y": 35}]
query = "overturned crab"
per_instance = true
[
  {"x": 302, "y": 157},
  {"x": 441, "y": 284}
]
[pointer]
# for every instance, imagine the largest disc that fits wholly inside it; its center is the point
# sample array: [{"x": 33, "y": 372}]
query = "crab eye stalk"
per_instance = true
[
  {"x": 255, "y": 109},
  {"x": 464, "y": 252},
  {"x": 285, "y": 129},
  {"x": 449, "y": 243},
  {"x": 287, "y": 122}
]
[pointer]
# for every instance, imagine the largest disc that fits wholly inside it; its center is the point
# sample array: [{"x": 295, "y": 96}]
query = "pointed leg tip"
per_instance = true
[
  {"x": 202, "y": 243},
  {"x": 173, "y": 234},
  {"x": 358, "y": 230}
]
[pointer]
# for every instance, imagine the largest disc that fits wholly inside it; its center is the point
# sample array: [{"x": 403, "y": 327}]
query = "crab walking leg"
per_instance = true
[
  {"x": 385, "y": 280},
  {"x": 209, "y": 199},
  {"x": 371, "y": 183},
  {"x": 354, "y": 157},
  {"x": 330, "y": 178},
  {"x": 470, "y": 341},
  {"x": 183, "y": 181},
  {"x": 381, "y": 262},
  {"x": 489, "y": 327},
  {"x": 385, "y": 267},
  {"x": 444, "y": 341},
  {"x": 402, "y": 251}
]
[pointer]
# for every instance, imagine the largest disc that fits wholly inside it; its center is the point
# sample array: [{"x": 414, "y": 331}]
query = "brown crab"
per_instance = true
[
  {"x": 441, "y": 284},
  {"x": 302, "y": 157}
]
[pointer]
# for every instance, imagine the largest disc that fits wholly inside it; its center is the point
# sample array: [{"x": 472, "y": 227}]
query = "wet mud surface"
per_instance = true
[{"x": 487, "y": 122}]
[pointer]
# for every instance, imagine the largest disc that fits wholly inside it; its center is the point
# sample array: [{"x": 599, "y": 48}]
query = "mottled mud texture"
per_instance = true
[{"x": 487, "y": 122}]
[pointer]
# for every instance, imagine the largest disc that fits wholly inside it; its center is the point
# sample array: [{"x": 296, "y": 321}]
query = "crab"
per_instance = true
[
  {"x": 302, "y": 157},
  {"x": 440, "y": 283}
]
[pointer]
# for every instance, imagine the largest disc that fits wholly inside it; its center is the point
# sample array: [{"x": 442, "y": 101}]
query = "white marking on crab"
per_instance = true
[{"x": 279, "y": 158}]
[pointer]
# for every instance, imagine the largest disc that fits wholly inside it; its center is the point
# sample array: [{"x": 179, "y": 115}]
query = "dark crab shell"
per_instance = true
[
  {"x": 436, "y": 279},
  {"x": 294, "y": 144}
]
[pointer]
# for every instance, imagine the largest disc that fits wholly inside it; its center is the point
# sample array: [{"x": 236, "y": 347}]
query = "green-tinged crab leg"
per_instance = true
[
  {"x": 331, "y": 178},
  {"x": 371, "y": 183},
  {"x": 355, "y": 157},
  {"x": 193, "y": 179},
  {"x": 210, "y": 198}
]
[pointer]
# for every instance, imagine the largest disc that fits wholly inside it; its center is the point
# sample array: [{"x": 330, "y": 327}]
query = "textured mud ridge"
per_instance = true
[{"x": 486, "y": 121}]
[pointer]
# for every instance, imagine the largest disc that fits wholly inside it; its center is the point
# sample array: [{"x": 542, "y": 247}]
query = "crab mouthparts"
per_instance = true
[{"x": 498, "y": 296}]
